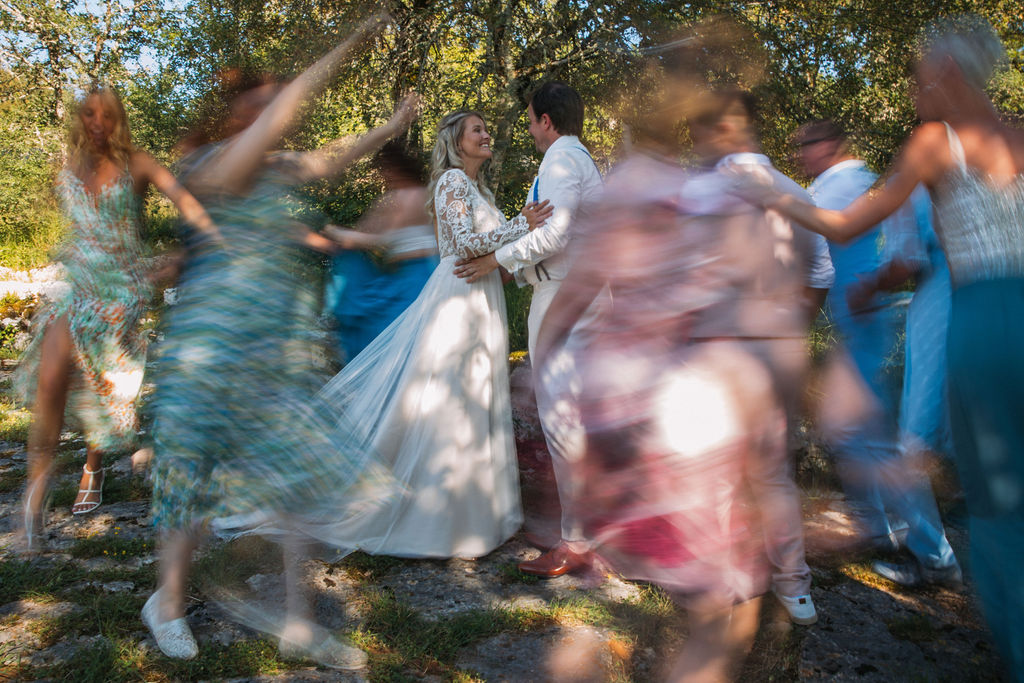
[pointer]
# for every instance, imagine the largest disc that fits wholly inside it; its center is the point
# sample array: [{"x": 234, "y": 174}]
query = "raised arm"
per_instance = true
[
  {"x": 145, "y": 169},
  {"x": 924, "y": 159},
  {"x": 454, "y": 217},
  {"x": 335, "y": 157},
  {"x": 234, "y": 168}
]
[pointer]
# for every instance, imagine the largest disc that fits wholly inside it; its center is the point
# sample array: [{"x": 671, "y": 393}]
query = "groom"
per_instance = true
[{"x": 569, "y": 180}]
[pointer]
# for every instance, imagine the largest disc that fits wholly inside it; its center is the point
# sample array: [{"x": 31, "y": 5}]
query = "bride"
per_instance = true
[{"x": 431, "y": 393}]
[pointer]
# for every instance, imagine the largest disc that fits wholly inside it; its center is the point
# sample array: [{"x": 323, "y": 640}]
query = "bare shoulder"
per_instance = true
[
  {"x": 141, "y": 160},
  {"x": 926, "y": 153},
  {"x": 142, "y": 167}
]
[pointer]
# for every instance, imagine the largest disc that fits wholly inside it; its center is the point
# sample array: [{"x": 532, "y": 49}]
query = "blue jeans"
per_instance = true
[{"x": 875, "y": 476}]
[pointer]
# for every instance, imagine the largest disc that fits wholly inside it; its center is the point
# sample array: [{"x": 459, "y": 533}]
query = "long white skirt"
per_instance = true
[{"x": 430, "y": 397}]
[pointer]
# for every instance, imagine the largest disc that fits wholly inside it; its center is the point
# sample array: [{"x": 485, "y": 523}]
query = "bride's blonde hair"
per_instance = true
[
  {"x": 446, "y": 154},
  {"x": 81, "y": 154}
]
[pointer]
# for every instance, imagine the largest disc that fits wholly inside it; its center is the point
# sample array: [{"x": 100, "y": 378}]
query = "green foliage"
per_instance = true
[
  {"x": 30, "y": 221},
  {"x": 176, "y": 65},
  {"x": 517, "y": 303}
]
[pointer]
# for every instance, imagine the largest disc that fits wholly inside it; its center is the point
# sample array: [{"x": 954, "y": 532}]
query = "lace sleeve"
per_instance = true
[{"x": 452, "y": 199}]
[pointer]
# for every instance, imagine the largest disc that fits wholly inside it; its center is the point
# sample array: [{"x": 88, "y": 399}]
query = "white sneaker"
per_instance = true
[
  {"x": 303, "y": 639},
  {"x": 174, "y": 638},
  {"x": 801, "y": 608}
]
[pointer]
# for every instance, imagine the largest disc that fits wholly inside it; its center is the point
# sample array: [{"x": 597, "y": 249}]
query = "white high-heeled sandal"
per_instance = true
[
  {"x": 35, "y": 522},
  {"x": 174, "y": 637},
  {"x": 87, "y": 506}
]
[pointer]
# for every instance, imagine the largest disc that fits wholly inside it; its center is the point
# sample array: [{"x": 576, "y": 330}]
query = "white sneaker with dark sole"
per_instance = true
[{"x": 801, "y": 608}]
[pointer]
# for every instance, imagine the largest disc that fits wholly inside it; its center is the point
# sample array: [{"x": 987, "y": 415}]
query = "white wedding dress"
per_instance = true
[{"x": 430, "y": 396}]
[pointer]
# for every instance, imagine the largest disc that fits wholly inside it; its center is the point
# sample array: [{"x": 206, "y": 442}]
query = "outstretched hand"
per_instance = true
[
  {"x": 537, "y": 212},
  {"x": 407, "y": 111},
  {"x": 860, "y": 294},
  {"x": 752, "y": 183}
]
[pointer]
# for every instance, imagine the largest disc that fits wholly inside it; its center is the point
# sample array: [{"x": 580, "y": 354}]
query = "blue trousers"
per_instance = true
[{"x": 876, "y": 478}]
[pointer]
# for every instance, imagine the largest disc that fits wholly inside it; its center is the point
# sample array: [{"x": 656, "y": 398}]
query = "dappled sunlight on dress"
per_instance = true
[
  {"x": 241, "y": 437},
  {"x": 430, "y": 396}
]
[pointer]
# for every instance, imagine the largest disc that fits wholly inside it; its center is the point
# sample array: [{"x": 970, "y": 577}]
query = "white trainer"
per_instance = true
[
  {"x": 801, "y": 608},
  {"x": 174, "y": 638},
  {"x": 301, "y": 639}
]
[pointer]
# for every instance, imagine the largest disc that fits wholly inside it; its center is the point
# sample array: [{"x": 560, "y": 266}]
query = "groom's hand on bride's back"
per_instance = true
[{"x": 472, "y": 270}]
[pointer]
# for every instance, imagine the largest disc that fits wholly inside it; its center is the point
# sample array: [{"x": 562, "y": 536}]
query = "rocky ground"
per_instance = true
[{"x": 71, "y": 613}]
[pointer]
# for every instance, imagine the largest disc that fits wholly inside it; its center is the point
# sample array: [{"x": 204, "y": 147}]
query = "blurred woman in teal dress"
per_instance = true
[
  {"x": 88, "y": 353},
  {"x": 242, "y": 442}
]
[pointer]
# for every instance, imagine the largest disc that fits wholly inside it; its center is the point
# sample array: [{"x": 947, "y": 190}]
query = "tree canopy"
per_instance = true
[{"x": 814, "y": 58}]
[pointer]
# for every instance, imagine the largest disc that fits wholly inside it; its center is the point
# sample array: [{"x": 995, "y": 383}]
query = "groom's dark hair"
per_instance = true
[{"x": 562, "y": 104}]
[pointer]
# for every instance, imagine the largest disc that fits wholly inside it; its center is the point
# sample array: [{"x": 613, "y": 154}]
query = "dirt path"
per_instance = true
[{"x": 72, "y": 613}]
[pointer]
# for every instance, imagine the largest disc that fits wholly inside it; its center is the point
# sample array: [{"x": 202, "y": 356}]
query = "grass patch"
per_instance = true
[
  {"x": 14, "y": 422},
  {"x": 775, "y": 655},
  {"x": 508, "y": 573},
  {"x": 118, "y": 659},
  {"x": 227, "y": 566},
  {"x": 12, "y": 481},
  {"x": 652, "y": 617},
  {"x": 115, "y": 490},
  {"x": 113, "y": 547},
  {"x": 121, "y": 489},
  {"x": 21, "y": 580},
  {"x": 362, "y": 567},
  {"x": 399, "y": 639},
  {"x": 862, "y": 573}
]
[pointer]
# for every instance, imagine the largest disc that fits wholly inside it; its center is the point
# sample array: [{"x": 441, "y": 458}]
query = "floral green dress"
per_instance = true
[
  {"x": 240, "y": 437},
  {"x": 106, "y": 297}
]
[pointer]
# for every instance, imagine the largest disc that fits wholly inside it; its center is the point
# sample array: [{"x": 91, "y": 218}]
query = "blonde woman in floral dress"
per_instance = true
[{"x": 87, "y": 354}]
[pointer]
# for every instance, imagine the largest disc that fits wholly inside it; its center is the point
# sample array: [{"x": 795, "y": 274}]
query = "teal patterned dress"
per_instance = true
[
  {"x": 107, "y": 294},
  {"x": 240, "y": 436}
]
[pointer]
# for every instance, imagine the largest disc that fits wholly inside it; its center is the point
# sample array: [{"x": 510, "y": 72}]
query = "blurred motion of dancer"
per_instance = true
[
  {"x": 87, "y": 350},
  {"x": 924, "y": 406},
  {"x": 778, "y": 279},
  {"x": 669, "y": 423},
  {"x": 431, "y": 393},
  {"x": 860, "y": 379},
  {"x": 971, "y": 162},
  {"x": 240, "y": 438},
  {"x": 569, "y": 180},
  {"x": 364, "y": 295}
]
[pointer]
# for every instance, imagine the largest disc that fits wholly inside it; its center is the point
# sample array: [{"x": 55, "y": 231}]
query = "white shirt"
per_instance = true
[
  {"x": 835, "y": 189},
  {"x": 569, "y": 180}
]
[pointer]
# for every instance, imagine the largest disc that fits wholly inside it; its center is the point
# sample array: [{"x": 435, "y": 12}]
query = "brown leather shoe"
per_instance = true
[{"x": 555, "y": 562}]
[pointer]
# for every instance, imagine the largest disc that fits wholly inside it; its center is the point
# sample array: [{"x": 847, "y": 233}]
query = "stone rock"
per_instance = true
[
  {"x": 305, "y": 676},
  {"x": 265, "y": 583},
  {"x": 118, "y": 586},
  {"x": 62, "y": 651},
  {"x": 561, "y": 653}
]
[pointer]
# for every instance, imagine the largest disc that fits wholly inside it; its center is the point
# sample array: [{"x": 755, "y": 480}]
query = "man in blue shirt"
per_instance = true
[{"x": 860, "y": 408}]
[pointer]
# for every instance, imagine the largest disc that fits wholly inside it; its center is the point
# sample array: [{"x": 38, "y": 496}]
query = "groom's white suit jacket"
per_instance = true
[{"x": 567, "y": 178}]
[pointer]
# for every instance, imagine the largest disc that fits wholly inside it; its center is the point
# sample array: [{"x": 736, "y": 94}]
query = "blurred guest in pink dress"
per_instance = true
[{"x": 669, "y": 423}]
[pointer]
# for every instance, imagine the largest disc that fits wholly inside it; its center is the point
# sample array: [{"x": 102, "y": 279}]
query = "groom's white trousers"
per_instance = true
[{"x": 557, "y": 387}]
